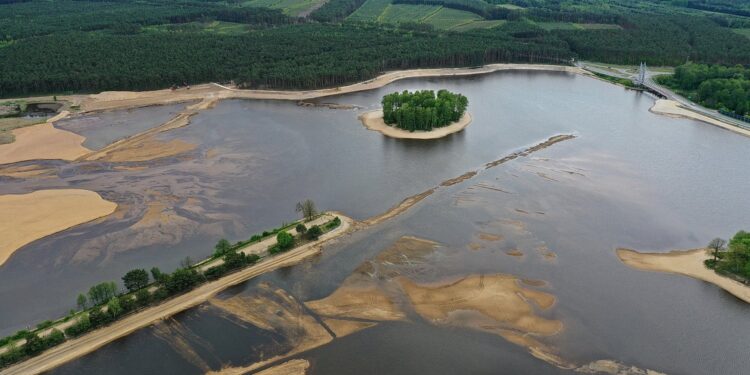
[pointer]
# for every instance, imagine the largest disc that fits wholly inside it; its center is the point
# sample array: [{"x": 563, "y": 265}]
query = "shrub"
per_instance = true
[
  {"x": 215, "y": 272},
  {"x": 284, "y": 241},
  {"x": 82, "y": 326},
  {"x": 314, "y": 232},
  {"x": 143, "y": 297},
  {"x": 300, "y": 228}
]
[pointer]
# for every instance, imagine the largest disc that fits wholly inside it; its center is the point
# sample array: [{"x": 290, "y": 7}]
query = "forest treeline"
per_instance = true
[
  {"x": 423, "y": 110},
  {"x": 714, "y": 86},
  {"x": 303, "y": 56},
  {"x": 93, "y": 45}
]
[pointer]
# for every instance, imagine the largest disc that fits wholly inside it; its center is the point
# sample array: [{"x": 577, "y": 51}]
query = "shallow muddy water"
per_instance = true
[{"x": 630, "y": 178}]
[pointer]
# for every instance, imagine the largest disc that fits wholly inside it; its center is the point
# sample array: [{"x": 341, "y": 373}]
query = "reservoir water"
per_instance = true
[{"x": 630, "y": 178}]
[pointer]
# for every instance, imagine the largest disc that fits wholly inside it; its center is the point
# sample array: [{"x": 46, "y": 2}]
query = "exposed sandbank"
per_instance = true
[
  {"x": 687, "y": 263},
  {"x": 373, "y": 120},
  {"x": 28, "y": 217},
  {"x": 674, "y": 109},
  {"x": 43, "y": 141}
]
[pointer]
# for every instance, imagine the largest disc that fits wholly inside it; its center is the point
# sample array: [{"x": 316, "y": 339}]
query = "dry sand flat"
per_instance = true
[
  {"x": 687, "y": 263},
  {"x": 673, "y": 109},
  {"x": 28, "y": 217},
  {"x": 293, "y": 367},
  {"x": 373, "y": 120},
  {"x": 43, "y": 141}
]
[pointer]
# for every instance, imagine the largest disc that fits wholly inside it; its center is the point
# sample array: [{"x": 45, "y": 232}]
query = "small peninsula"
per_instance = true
[{"x": 419, "y": 115}]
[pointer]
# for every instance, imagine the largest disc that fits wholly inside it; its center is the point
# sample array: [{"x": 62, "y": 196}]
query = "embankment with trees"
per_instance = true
[
  {"x": 726, "y": 88},
  {"x": 105, "y": 303},
  {"x": 423, "y": 110},
  {"x": 731, "y": 259}
]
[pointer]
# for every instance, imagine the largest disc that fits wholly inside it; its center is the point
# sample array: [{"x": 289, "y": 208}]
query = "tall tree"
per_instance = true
[{"x": 135, "y": 279}]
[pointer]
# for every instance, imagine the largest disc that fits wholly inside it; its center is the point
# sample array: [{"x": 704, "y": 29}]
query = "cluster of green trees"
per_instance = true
[
  {"x": 34, "y": 344},
  {"x": 336, "y": 10},
  {"x": 422, "y": 110},
  {"x": 734, "y": 259},
  {"x": 715, "y": 86}
]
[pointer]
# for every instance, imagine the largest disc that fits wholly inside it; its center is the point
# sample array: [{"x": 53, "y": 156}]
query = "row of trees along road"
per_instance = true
[{"x": 422, "y": 110}]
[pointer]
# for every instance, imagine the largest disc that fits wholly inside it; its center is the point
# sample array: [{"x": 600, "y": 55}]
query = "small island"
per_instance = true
[{"x": 419, "y": 114}]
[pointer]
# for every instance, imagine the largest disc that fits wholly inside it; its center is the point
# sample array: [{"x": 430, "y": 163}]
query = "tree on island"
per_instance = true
[
  {"x": 423, "y": 110},
  {"x": 307, "y": 208},
  {"x": 736, "y": 259}
]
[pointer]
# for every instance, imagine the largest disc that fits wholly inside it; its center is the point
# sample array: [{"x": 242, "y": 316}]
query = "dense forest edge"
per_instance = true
[
  {"x": 64, "y": 46},
  {"x": 423, "y": 110},
  {"x": 106, "y": 303},
  {"x": 726, "y": 89}
]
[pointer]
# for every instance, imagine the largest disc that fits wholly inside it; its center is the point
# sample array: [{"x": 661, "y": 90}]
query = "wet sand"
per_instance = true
[
  {"x": 687, "y": 263},
  {"x": 673, "y": 109},
  {"x": 373, "y": 120},
  {"x": 28, "y": 217}
]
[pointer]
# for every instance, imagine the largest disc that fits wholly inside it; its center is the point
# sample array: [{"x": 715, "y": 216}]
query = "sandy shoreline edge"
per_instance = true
[
  {"x": 25, "y": 218},
  {"x": 683, "y": 262},
  {"x": 373, "y": 120},
  {"x": 672, "y": 108}
]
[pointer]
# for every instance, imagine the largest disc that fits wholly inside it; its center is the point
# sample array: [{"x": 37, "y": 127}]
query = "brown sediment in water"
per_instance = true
[
  {"x": 414, "y": 199},
  {"x": 373, "y": 120},
  {"x": 27, "y": 171},
  {"x": 175, "y": 335},
  {"x": 485, "y": 236},
  {"x": 461, "y": 178},
  {"x": 475, "y": 246},
  {"x": 147, "y": 149},
  {"x": 342, "y": 327},
  {"x": 277, "y": 311},
  {"x": 687, "y": 263},
  {"x": 28, "y": 217},
  {"x": 354, "y": 300},
  {"x": 546, "y": 252},
  {"x": 606, "y": 366},
  {"x": 514, "y": 253}
]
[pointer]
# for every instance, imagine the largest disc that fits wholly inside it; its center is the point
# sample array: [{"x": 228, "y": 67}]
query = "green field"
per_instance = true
[
  {"x": 289, "y": 7},
  {"x": 483, "y": 24},
  {"x": 439, "y": 17},
  {"x": 576, "y": 26},
  {"x": 214, "y": 27},
  {"x": 449, "y": 19},
  {"x": 745, "y": 32},
  {"x": 396, "y": 13},
  {"x": 370, "y": 10}
]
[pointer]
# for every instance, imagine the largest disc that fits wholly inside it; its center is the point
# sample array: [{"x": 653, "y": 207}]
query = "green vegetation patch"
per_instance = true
[
  {"x": 370, "y": 10},
  {"x": 448, "y": 19},
  {"x": 475, "y": 25},
  {"x": 743, "y": 32},
  {"x": 396, "y": 13},
  {"x": 423, "y": 110},
  {"x": 732, "y": 260},
  {"x": 213, "y": 27},
  {"x": 714, "y": 86},
  {"x": 289, "y": 7}
]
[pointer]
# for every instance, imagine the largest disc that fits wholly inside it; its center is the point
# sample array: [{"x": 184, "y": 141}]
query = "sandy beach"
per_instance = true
[
  {"x": 373, "y": 120},
  {"x": 28, "y": 217},
  {"x": 43, "y": 141},
  {"x": 687, "y": 263},
  {"x": 673, "y": 109}
]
